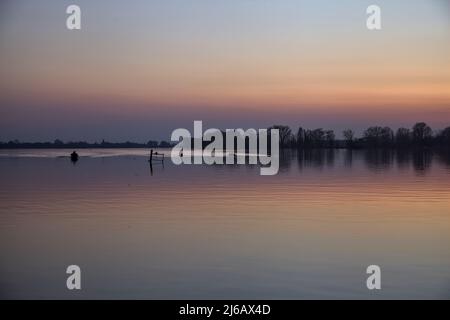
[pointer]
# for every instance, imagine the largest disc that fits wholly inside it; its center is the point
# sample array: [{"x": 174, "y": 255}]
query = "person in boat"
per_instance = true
[{"x": 74, "y": 156}]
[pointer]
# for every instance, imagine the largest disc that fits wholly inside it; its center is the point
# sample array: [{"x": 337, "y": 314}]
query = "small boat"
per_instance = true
[{"x": 74, "y": 156}]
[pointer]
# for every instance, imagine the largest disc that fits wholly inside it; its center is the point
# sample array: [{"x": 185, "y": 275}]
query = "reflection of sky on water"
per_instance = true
[{"x": 225, "y": 231}]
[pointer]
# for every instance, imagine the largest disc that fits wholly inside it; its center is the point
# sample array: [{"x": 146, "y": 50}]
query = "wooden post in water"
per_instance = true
[{"x": 151, "y": 155}]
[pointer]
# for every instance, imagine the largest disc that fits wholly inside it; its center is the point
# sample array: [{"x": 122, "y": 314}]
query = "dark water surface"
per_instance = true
[{"x": 224, "y": 231}]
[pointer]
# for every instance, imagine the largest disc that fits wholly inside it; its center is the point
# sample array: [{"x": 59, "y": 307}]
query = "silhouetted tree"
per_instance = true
[
  {"x": 387, "y": 137},
  {"x": 152, "y": 144},
  {"x": 403, "y": 137},
  {"x": 443, "y": 138},
  {"x": 300, "y": 139},
  {"x": 164, "y": 144},
  {"x": 378, "y": 136},
  {"x": 329, "y": 138},
  {"x": 349, "y": 136},
  {"x": 15, "y": 144},
  {"x": 372, "y": 136},
  {"x": 285, "y": 135},
  {"x": 315, "y": 138},
  {"x": 421, "y": 134}
]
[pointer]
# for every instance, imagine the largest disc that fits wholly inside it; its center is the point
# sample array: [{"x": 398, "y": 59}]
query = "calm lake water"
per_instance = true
[{"x": 208, "y": 232}]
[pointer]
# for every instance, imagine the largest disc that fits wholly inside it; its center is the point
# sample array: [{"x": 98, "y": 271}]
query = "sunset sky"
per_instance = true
[{"x": 139, "y": 69}]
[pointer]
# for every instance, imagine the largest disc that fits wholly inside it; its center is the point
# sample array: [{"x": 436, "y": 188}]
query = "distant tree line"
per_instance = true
[
  {"x": 16, "y": 144},
  {"x": 420, "y": 135}
]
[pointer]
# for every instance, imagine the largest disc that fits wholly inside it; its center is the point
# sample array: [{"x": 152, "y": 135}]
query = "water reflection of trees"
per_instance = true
[
  {"x": 443, "y": 157},
  {"x": 285, "y": 159},
  {"x": 379, "y": 159},
  {"x": 348, "y": 158},
  {"x": 316, "y": 158},
  {"x": 420, "y": 160}
]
